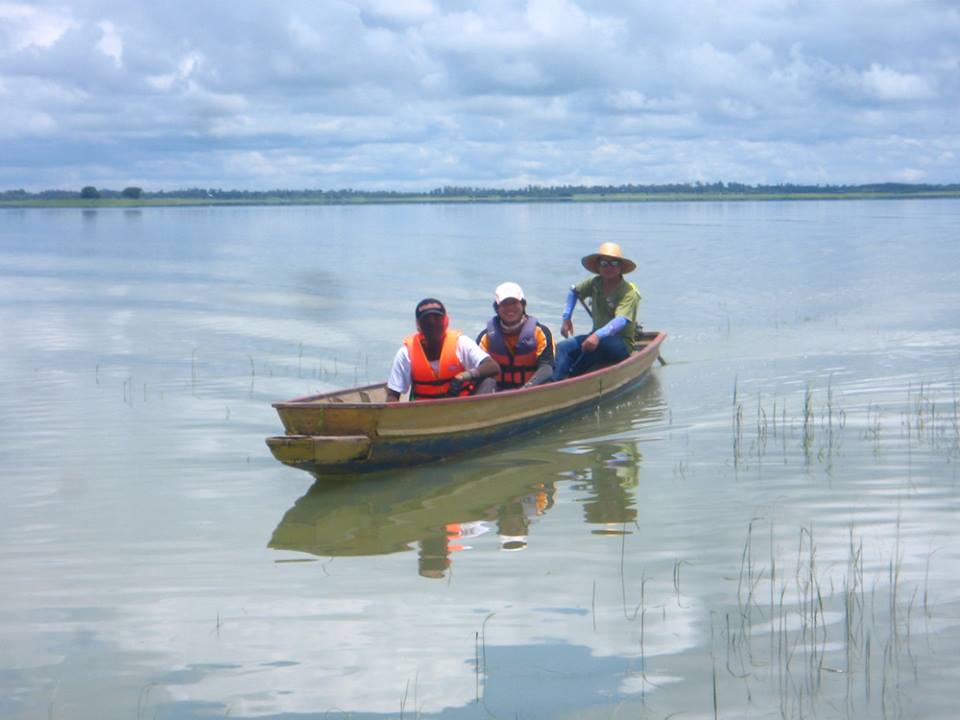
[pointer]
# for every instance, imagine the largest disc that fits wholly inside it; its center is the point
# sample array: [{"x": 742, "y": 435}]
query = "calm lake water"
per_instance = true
[{"x": 767, "y": 528}]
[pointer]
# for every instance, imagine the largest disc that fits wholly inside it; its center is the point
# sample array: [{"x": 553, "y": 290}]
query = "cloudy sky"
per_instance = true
[{"x": 415, "y": 94}]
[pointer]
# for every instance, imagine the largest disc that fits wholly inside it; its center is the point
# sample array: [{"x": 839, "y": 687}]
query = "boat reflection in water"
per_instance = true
[
  {"x": 510, "y": 520},
  {"x": 610, "y": 484},
  {"x": 441, "y": 509}
]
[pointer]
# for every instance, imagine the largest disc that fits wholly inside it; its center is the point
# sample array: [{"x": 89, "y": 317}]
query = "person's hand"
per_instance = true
[
  {"x": 590, "y": 343},
  {"x": 456, "y": 387},
  {"x": 566, "y": 329}
]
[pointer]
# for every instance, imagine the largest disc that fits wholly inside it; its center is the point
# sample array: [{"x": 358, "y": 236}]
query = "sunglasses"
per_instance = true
[{"x": 609, "y": 263}]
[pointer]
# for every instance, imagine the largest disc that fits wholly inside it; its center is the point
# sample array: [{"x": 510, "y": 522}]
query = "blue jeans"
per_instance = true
[{"x": 572, "y": 360}]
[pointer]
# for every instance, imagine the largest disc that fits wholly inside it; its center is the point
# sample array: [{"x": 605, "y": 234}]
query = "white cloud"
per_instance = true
[
  {"x": 406, "y": 12},
  {"x": 161, "y": 82},
  {"x": 887, "y": 84},
  {"x": 23, "y": 26},
  {"x": 911, "y": 175},
  {"x": 628, "y": 100},
  {"x": 737, "y": 109},
  {"x": 556, "y": 19},
  {"x": 17, "y": 123},
  {"x": 371, "y": 93},
  {"x": 111, "y": 44}
]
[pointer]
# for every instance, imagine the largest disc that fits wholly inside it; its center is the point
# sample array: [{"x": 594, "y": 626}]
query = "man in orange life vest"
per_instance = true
[
  {"x": 521, "y": 346},
  {"x": 437, "y": 362}
]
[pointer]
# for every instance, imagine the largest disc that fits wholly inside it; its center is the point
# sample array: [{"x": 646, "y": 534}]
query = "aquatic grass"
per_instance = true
[
  {"x": 956, "y": 413},
  {"x": 623, "y": 578},
  {"x": 476, "y": 662},
  {"x": 812, "y": 626},
  {"x": 737, "y": 426},
  {"x": 932, "y": 424},
  {"x": 713, "y": 671},
  {"x": 480, "y": 649},
  {"x": 676, "y": 580},
  {"x": 299, "y": 365},
  {"x": 746, "y": 578},
  {"x": 819, "y": 627},
  {"x": 775, "y": 422},
  {"x": 142, "y": 696},
  {"x": 762, "y": 426},
  {"x": 833, "y": 628},
  {"x": 680, "y": 468},
  {"x": 874, "y": 427},
  {"x": 593, "y": 606},
  {"x": 820, "y": 428},
  {"x": 53, "y": 698},
  {"x": 406, "y": 695}
]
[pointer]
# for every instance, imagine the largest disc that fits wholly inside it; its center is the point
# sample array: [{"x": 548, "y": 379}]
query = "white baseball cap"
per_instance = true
[{"x": 507, "y": 290}]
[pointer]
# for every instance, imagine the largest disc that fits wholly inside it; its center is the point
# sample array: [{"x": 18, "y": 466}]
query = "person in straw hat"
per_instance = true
[{"x": 612, "y": 301}]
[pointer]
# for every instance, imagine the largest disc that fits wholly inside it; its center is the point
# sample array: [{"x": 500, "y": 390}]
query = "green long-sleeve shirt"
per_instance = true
[{"x": 623, "y": 301}]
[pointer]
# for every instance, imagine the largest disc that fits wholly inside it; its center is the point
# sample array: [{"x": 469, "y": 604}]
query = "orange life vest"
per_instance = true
[
  {"x": 427, "y": 383},
  {"x": 518, "y": 366}
]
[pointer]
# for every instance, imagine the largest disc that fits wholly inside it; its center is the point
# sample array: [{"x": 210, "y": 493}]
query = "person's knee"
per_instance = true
[
  {"x": 613, "y": 349},
  {"x": 486, "y": 386}
]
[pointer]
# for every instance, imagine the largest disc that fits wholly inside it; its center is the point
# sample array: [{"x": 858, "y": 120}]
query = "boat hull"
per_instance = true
[{"x": 356, "y": 431}]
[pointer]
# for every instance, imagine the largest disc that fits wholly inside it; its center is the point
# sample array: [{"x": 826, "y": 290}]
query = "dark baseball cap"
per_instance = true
[{"x": 430, "y": 306}]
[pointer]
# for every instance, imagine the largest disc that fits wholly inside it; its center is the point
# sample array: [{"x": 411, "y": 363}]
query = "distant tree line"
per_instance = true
[
  {"x": 88, "y": 192},
  {"x": 552, "y": 192},
  {"x": 696, "y": 188}
]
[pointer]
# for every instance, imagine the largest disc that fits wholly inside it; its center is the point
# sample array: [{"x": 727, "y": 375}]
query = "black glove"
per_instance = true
[{"x": 456, "y": 387}]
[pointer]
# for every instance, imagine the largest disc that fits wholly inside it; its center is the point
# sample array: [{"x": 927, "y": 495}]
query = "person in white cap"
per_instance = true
[
  {"x": 613, "y": 306},
  {"x": 520, "y": 344}
]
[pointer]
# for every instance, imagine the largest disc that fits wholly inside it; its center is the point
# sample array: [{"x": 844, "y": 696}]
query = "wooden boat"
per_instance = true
[{"x": 356, "y": 430}]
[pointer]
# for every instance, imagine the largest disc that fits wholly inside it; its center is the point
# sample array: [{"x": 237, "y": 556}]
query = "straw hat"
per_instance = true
[{"x": 608, "y": 250}]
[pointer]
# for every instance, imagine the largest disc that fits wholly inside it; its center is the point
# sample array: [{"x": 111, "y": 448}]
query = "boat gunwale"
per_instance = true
[{"x": 323, "y": 400}]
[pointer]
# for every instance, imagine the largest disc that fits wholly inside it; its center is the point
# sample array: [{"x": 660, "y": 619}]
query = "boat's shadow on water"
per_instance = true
[{"x": 438, "y": 507}]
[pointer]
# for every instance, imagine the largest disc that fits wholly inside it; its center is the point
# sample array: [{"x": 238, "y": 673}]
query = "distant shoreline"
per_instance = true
[{"x": 418, "y": 198}]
